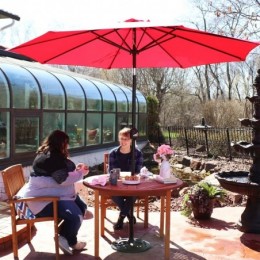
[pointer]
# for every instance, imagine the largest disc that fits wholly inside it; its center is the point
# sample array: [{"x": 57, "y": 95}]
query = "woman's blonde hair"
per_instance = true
[{"x": 125, "y": 132}]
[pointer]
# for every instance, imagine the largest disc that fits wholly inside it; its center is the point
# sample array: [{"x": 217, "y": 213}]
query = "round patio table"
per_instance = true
[{"x": 146, "y": 187}]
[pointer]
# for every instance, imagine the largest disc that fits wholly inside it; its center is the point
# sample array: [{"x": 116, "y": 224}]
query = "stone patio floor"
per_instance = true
[{"x": 214, "y": 239}]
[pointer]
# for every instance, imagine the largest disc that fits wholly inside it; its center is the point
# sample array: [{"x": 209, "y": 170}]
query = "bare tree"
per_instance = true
[{"x": 237, "y": 18}]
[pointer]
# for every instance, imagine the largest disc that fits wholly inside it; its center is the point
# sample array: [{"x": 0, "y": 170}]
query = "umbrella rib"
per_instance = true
[
  {"x": 119, "y": 46},
  {"x": 58, "y": 38},
  {"x": 204, "y": 45},
  {"x": 101, "y": 37},
  {"x": 212, "y": 48},
  {"x": 159, "y": 41}
]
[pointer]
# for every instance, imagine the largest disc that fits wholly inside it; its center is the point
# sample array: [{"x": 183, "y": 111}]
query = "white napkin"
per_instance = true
[
  {"x": 145, "y": 173},
  {"x": 144, "y": 170},
  {"x": 100, "y": 180},
  {"x": 171, "y": 179}
]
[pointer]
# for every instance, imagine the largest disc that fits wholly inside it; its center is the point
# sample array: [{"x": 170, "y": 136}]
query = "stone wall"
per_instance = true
[{"x": 193, "y": 170}]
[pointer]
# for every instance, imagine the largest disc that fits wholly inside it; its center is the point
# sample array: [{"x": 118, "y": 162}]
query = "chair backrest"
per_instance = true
[
  {"x": 13, "y": 179},
  {"x": 106, "y": 157}
]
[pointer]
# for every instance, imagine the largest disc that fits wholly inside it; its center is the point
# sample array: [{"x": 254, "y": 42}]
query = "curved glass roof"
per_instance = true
[
  {"x": 37, "y": 83},
  {"x": 4, "y": 92},
  {"x": 25, "y": 90},
  {"x": 52, "y": 91},
  {"x": 94, "y": 100},
  {"x": 108, "y": 97},
  {"x": 121, "y": 98},
  {"x": 141, "y": 102},
  {"x": 74, "y": 92}
]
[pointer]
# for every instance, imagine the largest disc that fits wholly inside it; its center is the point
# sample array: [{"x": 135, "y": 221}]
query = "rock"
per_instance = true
[
  {"x": 235, "y": 197},
  {"x": 200, "y": 148},
  {"x": 195, "y": 164},
  {"x": 196, "y": 176},
  {"x": 178, "y": 166},
  {"x": 178, "y": 158},
  {"x": 186, "y": 161},
  {"x": 210, "y": 165},
  {"x": 212, "y": 180},
  {"x": 187, "y": 170}
]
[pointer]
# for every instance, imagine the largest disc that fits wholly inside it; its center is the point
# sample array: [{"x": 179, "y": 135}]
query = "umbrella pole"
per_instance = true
[
  {"x": 132, "y": 245},
  {"x": 131, "y": 222}
]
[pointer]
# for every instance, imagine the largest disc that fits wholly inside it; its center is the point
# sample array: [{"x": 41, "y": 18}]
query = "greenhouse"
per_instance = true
[{"x": 36, "y": 99}]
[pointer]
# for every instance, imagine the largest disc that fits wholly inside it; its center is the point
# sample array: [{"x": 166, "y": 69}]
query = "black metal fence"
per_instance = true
[{"x": 210, "y": 142}]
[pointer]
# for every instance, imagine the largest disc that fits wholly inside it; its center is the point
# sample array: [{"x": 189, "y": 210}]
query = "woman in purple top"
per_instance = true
[
  {"x": 54, "y": 175},
  {"x": 120, "y": 157}
]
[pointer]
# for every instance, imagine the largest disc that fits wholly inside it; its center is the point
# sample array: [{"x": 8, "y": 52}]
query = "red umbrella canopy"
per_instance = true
[{"x": 135, "y": 44}]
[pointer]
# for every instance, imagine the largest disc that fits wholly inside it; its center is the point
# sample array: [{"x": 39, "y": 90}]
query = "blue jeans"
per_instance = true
[
  {"x": 124, "y": 203},
  {"x": 71, "y": 211}
]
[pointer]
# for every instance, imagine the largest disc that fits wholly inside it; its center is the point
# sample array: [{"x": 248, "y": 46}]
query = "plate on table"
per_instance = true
[{"x": 133, "y": 182}]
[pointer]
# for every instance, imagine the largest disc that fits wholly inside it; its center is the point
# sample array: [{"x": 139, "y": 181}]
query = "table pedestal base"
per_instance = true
[{"x": 137, "y": 246}]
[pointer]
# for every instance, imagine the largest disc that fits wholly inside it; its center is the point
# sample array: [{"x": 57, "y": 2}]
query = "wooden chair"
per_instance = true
[
  {"x": 14, "y": 180},
  {"x": 107, "y": 202}
]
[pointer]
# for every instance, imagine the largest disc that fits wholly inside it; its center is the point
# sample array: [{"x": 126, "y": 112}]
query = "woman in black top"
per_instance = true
[{"x": 120, "y": 157}]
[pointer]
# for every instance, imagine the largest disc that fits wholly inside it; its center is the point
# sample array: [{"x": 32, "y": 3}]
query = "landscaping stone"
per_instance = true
[
  {"x": 186, "y": 161},
  {"x": 195, "y": 164}
]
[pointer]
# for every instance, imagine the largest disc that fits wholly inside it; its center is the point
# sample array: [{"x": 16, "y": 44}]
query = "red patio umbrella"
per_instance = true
[
  {"x": 152, "y": 45},
  {"x": 135, "y": 44}
]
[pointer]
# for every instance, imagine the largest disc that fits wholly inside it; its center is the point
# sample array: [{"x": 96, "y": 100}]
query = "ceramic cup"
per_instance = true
[{"x": 114, "y": 176}]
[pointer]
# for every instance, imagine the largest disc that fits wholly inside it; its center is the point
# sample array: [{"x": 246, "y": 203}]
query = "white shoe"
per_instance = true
[
  {"x": 64, "y": 246},
  {"x": 79, "y": 246}
]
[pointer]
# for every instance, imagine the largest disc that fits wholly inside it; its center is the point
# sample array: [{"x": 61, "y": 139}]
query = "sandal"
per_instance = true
[{"x": 79, "y": 246}]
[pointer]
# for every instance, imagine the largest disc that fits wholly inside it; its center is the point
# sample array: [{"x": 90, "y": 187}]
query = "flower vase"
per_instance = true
[{"x": 165, "y": 169}]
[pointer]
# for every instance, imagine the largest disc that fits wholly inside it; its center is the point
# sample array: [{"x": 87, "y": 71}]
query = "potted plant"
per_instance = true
[{"x": 200, "y": 200}]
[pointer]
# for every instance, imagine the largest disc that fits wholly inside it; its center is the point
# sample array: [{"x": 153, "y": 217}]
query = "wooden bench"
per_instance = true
[{"x": 14, "y": 180}]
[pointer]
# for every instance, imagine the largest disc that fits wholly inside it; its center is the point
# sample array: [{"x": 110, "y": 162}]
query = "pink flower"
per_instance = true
[
  {"x": 165, "y": 149},
  {"x": 164, "y": 152}
]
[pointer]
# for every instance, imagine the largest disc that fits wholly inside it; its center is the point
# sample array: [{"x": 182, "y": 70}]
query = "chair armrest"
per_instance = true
[{"x": 29, "y": 199}]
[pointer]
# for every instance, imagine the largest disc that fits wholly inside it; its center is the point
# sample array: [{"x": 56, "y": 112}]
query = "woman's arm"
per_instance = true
[{"x": 77, "y": 175}]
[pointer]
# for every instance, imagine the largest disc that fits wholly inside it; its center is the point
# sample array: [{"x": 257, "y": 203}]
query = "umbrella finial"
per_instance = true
[{"x": 135, "y": 20}]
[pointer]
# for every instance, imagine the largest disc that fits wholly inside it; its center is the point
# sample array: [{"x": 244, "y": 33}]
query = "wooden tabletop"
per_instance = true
[{"x": 148, "y": 187}]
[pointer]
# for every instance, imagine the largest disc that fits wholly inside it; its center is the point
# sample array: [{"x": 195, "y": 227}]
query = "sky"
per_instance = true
[{"x": 38, "y": 17}]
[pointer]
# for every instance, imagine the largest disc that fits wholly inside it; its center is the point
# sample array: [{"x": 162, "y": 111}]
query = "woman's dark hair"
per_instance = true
[{"x": 57, "y": 141}]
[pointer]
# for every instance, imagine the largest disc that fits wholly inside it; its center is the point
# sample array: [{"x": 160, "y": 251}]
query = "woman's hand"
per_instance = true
[{"x": 82, "y": 167}]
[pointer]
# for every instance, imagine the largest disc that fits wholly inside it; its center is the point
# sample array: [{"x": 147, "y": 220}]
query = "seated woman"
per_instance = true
[
  {"x": 54, "y": 175},
  {"x": 121, "y": 157}
]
